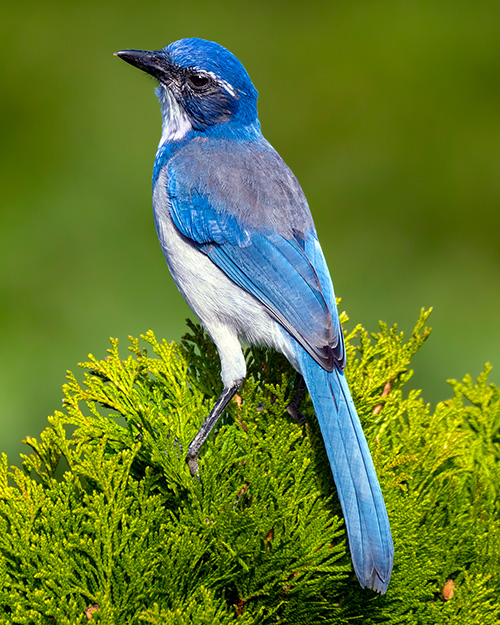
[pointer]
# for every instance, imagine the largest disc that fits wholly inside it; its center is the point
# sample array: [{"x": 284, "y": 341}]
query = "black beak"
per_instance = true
[{"x": 154, "y": 63}]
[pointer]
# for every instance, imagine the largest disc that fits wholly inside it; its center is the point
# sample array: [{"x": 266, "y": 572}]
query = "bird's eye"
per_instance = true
[{"x": 198, "y": 81}]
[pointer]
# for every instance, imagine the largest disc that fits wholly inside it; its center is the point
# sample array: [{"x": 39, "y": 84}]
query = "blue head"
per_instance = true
[{"x": 202, "y": 88}]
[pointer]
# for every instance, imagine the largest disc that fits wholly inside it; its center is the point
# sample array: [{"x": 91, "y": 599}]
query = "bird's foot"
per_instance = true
[
  {"x": 293, "y": 406},
  {"x": 294, "y": 412},
  {"x": 192, "y": 462}
]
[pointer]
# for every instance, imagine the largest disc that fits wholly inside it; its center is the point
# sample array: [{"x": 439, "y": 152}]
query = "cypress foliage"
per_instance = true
[{"x": 103, "y": 523}]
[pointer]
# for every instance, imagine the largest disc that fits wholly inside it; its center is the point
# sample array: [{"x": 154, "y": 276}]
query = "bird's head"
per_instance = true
[{"x": 201, "y": 87}]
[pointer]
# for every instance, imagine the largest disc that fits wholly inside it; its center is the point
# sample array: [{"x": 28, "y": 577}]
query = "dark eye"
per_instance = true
[{"x": 198, "y": 81}]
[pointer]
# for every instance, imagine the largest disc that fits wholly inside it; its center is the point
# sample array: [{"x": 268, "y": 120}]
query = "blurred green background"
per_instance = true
[{"x": 388, "y": 112}]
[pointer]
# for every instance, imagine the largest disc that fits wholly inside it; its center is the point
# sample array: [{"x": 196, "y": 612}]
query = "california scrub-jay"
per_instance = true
[{"x": 241, "y": 245}]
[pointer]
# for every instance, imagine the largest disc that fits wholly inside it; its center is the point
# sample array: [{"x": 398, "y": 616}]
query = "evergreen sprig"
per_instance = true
[{"x": 103, "y": 522}]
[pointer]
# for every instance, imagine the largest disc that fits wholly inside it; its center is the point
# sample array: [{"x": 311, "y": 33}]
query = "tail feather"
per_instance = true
[{"x": 357, "y": 485}]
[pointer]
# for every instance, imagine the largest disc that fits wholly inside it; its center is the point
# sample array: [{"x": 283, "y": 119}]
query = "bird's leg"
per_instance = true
[
  {"x": 293, "y": 406},
  {"x": 207, "y": 426}
]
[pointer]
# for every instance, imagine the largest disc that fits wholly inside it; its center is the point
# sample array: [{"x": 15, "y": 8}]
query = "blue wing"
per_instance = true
[{"x": 285, "y": 271}]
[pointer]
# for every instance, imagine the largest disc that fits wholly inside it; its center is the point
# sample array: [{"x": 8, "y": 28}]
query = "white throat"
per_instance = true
[{"x": 176, "y": 123}]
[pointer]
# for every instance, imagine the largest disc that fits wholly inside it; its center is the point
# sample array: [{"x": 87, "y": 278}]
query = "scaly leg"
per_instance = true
[
  {"x": 207, "y": 426},
  {"x": 293, "y": 406}
]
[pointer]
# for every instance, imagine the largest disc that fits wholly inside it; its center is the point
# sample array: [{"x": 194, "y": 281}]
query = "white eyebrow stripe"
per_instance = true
[{"x": 223, "y": 83}]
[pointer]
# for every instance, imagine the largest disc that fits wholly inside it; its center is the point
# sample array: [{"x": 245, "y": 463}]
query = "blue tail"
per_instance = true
[{"x": 365, "y": 516}]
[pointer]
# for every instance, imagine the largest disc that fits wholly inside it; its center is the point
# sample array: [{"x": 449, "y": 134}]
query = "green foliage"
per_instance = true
[{"x": 103, "y": 522}]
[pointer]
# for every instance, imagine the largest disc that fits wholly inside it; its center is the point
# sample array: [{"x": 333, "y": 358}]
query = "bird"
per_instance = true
[{"x": 241, "y": 245}]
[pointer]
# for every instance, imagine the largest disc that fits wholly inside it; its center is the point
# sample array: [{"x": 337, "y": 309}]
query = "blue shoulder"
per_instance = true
[
  {"x": 201, "y": 220},
  {"x": 244, "y": 179}
]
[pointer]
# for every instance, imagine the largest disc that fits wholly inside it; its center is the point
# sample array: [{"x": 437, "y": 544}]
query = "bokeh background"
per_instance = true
[{"x": 388, "y": 112}]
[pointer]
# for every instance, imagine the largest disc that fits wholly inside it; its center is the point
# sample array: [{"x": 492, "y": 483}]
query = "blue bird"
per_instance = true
[{"x": 241, "y": 245}]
